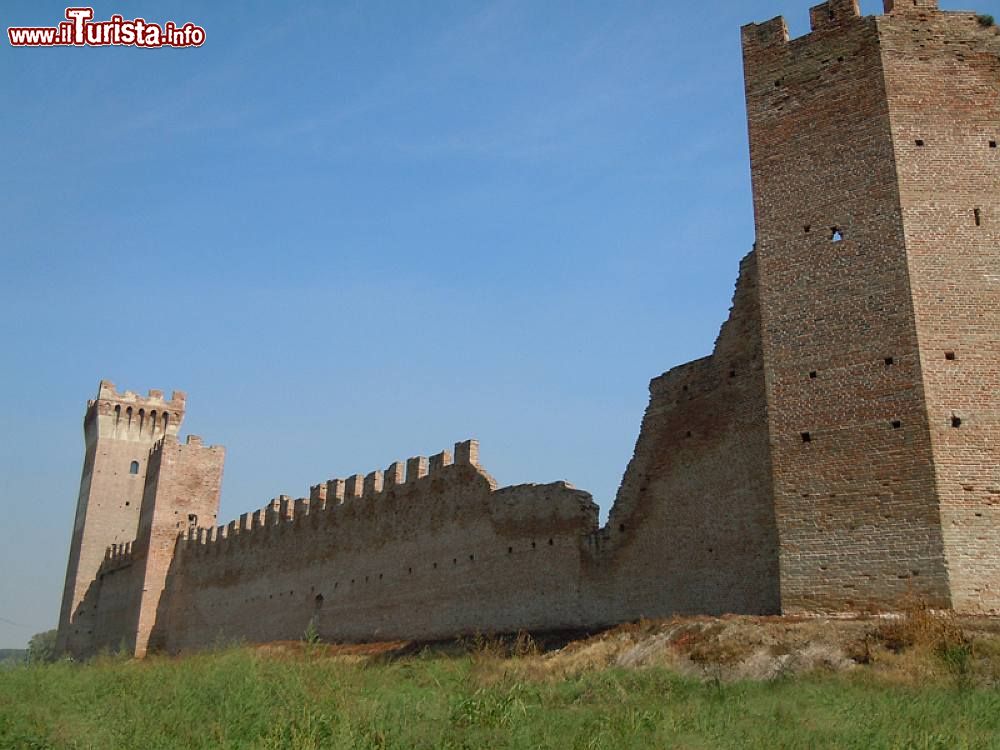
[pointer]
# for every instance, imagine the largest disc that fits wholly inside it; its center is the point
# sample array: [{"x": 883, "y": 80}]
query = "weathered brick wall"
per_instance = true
[
  {"x": 182, "y": 493},
  {"x": 693, "y": 528},
  {"x": 113, "y": 599},
  {"x": 430, "y": 557},
  {"x": 854, "y": 484},
  {"x": 942, "y": 74},
  {"x": 119, "y": 428}
]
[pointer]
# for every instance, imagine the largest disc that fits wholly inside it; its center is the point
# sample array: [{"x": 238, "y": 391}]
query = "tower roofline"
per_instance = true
[
  {"x": 107, "y": 391},
  {"x": 828, "y": 15}
]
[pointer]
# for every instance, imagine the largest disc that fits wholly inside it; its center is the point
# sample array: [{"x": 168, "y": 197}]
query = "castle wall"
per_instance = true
[
  {"x": 942, "y": 74},
  {"x": 114, "y": 598},
  {"x": 838, "y": 450},
  {"x": 431, "y": 557},
  {"x": 854, "y": 483},
  {"x": 693, "y": 528}
]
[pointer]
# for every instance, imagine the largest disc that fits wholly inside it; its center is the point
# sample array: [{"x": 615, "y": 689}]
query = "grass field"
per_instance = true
[{"x": 302, "y": 696}]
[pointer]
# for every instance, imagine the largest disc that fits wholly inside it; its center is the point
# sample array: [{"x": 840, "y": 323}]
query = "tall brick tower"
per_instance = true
[
  {"x": 876, "y": 175},
  {"x": 119, "y": 430}
]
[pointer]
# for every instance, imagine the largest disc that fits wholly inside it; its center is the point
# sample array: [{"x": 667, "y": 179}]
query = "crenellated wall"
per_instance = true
[
  {"x": 441, "y": 553},
  {"x": 838, "y": 450}
]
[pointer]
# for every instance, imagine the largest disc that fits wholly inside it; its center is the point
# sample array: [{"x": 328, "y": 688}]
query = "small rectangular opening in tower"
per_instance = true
[
  {"x": 993, "y": 144},
  {"x": 806, "y": 437},
  {"x": 889, "y": 361},
  {"x": 978, "y": 214},
  {"x": 919, "y": 142},
  {"x": 950, "y": 356}
]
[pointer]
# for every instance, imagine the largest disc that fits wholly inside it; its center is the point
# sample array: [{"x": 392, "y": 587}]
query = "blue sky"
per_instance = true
[{"x": 356, "y": 232}]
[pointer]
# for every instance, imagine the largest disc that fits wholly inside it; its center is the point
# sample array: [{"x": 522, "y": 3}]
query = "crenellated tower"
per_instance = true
[
  {"x": 119, "y": 429},
  {"x": 876, "y": 176}
]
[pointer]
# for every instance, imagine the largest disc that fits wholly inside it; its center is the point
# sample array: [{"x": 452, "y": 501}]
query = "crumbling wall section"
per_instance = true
[{"x": 692, "y": 529}]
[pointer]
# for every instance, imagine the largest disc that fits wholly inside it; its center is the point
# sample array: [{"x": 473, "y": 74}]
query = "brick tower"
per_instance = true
[
  {"x": 876, "y": 175},
  {"x": 119, "y": 430}
]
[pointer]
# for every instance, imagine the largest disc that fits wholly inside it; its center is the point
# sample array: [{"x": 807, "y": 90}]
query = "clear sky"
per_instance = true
[{"x": 356, "y": 232}]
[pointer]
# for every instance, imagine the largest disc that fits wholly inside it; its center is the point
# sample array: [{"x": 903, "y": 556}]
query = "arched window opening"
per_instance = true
[{"x": 133, "y": 468}]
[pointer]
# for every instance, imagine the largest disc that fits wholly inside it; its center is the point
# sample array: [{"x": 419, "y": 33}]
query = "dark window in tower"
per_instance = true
[
  {"x": 134, "y": 468},
  {"x": 978, "y": 215}
]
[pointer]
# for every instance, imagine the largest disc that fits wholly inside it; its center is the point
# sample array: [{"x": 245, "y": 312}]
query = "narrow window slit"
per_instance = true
[
  {"x": 978, "y": 215},
  {"x": 806, "y": 437}
]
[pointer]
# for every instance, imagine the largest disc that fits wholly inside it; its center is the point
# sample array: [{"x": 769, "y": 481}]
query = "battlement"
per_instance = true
[
  {"x": 190, "y": 442},
  {"x": 327, "y": 498},
  {"x": 829, "y": 15},
  {"x": 129, "y": 416},
  {"x": 118, "y": 556},
  {"x": 107, "y": 392}
]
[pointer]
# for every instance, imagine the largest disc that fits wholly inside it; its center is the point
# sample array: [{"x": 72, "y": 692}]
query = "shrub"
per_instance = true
[
  {"x": 42, "y": 647},
  {"x": 986, "y": 20}
]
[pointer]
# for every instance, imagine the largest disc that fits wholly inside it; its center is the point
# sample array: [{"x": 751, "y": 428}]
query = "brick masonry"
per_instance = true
[{"x": 838, "y": 451}]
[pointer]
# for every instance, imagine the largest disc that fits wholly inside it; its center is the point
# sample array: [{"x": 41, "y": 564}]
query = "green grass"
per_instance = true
[{"x": 238, "y": 699}]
